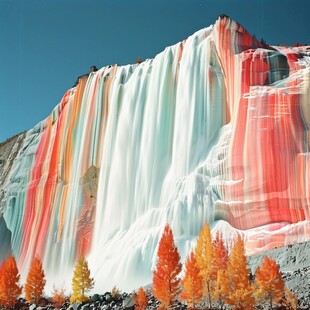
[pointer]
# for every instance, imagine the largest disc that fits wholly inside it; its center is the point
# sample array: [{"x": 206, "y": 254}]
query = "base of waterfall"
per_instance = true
[
  {"x": 297, "y": 281},
  {"x": 294, "y": 261}
]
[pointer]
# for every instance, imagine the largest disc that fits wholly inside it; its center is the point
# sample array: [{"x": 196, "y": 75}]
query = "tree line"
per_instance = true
[{"x": 213, "y": 277}]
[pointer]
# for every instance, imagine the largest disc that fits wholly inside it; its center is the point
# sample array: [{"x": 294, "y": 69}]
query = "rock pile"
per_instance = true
[{"x": 96, "y": 302}]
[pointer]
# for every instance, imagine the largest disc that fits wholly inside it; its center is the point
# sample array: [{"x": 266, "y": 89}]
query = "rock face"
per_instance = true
[
  {"x": 214, "y": 129},
  {"x": 8, "y": 152}
]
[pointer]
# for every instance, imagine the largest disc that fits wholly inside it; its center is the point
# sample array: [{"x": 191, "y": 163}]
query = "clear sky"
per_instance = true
[{"x": 46, "y": 44}]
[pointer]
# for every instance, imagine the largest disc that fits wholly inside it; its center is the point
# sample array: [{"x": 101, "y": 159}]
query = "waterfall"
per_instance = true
[{"x": 213, "y": 129}]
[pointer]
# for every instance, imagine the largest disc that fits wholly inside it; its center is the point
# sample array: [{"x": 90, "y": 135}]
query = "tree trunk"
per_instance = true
[{"x": 209, "y": 294}]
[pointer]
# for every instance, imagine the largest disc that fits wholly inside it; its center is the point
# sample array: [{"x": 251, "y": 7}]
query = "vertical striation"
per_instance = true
[{"x": 213, "y": 129}]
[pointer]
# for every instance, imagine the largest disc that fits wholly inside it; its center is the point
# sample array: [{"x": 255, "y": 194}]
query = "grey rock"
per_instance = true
[
  {"x": 86, "y": 307},
  {"x": 95, "y": 297},
  {"x": 108, "y": 296},
  {"x": 128, "y": 302},
  {"x": 75, "y": 307}
]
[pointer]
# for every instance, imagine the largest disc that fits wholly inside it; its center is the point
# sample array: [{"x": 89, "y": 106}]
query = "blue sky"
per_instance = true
[{"x": 46, "y": 44}]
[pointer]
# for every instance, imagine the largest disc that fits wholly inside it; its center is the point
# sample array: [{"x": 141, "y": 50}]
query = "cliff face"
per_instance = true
[
  {"x": 214, "y": 129},
  {"x": 8, "y": 152}
]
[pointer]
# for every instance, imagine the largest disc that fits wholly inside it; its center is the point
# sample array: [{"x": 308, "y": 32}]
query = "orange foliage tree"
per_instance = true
[
  {"x": 204, "y": 257},
  {"x": 192, "y": 282},
  {"x": 9, "y": 283},
  {"x": 219, "y": 262},
  {"x": 141, "y": 300},
  {"x": 290, "y": 301},
  {"x": 220, "y": 253},
  {"x": 241, "y": 290},
  {"x": 221, "y": 288},
  {"x": 58, "y": 297},
  {"x": 269, "y": 283},
  {"x": 166, "y": 284},
  {"x": 35, "y": 282},
  {"x": 1, "y": 275}
]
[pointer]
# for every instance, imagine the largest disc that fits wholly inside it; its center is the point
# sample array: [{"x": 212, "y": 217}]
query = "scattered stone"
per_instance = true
[
  {"x": 95, "y": 297},
  {"x": 108, "y": 296},
  {"x": 75, "y": 306},
  {"x": 86, "y": 307},
  {"x": 128, "y": 303}
]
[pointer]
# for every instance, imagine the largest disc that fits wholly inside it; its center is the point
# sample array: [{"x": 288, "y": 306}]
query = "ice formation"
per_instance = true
[{"x": 213, "y": 129}]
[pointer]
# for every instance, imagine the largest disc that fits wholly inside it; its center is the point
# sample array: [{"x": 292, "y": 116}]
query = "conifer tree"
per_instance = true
[
  {"x": 141, "y": 300},
  {"x": 220, "y": 254},
  {"x": 220, "y": 260},
  {"x": 35, "y": 282},
  {"x": 192, "y": 282},
  {"x": 269, "y": 283},
  {"x": 1, "y": 274},
  {"x": 290, "y": 301},
  {"x": 241, "y": 289},
  {"x": 221, "y": 288},
  {"x": 166, "y": 284},
  {"x": 9, "y": 283},
  {"x": 204, "y": 257},
  {"x": 81, "y": 282}
]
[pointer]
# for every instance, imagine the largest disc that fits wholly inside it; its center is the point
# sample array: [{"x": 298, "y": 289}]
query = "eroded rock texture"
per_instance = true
[{"x": 213, "y": 129}]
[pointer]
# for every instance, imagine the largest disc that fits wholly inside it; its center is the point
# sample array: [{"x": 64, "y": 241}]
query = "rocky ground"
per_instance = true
[
  {"x": 97, "y": 302},
  {"x": 294, "y": 261},
  {"x": 299, "y": 282},
  {"x": 125, "y": 301}
]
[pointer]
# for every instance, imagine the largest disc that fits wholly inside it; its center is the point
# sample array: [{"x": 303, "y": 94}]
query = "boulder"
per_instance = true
[
  {"x": 108, "y": 296},
  {"x": 128, "y": 303},
  {"x": 95, "y": 298}
]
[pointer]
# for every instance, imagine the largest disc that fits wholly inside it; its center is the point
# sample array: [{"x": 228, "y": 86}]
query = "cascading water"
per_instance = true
[{"x": 214, "y": 129}]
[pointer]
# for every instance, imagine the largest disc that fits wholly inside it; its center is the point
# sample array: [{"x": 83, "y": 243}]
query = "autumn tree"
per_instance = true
[
  {"x": 220, "y": 260},
  {"x": 221, "y": 288},
  {"x": 220, "y": 254},
  {"x": 204, "y": 257},
  {"x": 115, "y": 293},
  {"x": 9, "y": 283},
  {"x": 192, "y": 282},
  {"x": 290, "y": 300},
  {"x": 58, "y": 297},
  {"x": 241, "y": 289},
  {"x": 141, "y": 300},
  {"x": 35, "y": 282},
  {"x": 81, "y": 281},
  {"x": 1, "y": 274},
  {"x": 166, "y": 284},
  {"x": 269, "y": 283}
]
